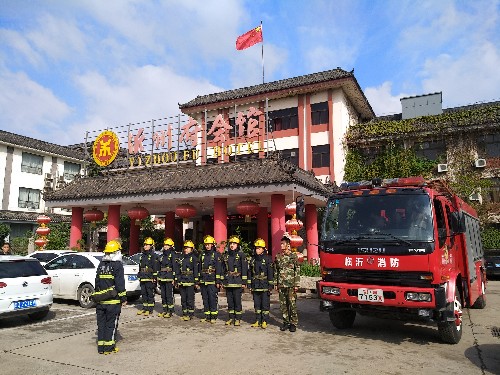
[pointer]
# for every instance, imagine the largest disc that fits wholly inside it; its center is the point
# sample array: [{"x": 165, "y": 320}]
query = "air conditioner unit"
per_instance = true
[
  {"x": 48, "y": 184},
  {"x": 476, "y": 197},
  {"x": 442, "y": 168},
  {"x": 480, "y": 163},
  {"x": 292, "y": 153},
  {"x": 48, "y": 176}
]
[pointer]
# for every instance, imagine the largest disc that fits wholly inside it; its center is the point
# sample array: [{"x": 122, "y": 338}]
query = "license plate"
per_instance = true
[
  {"x": 132, "y": 277},
  {"x": 370, "y": 295},
  {"x": 24, "y": 304}
]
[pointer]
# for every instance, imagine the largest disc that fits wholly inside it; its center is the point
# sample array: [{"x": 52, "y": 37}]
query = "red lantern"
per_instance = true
[
  {"x": 138, "y": 214},
  {"x": 40, "y": 242},
  {"x": 185, "y": 211},
  {"x": 43, "y": 231},
  {"x": 296, "y": 241},
  {"x": 93, "y": 215},
  {"x": 291, "y": 209},
  {"x": 293, "y": 225},
  {"x": 248, "y": 208},
  {"x": 43, "y": 220}
]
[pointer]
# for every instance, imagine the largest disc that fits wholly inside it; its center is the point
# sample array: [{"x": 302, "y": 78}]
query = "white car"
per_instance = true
[
  {"x": 73, "y": 276},
  {"x": 25, "y": 288},
  {"x": 45, "y": 256}
]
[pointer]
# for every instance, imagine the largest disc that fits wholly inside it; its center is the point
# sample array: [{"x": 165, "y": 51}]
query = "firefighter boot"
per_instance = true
[
  {"x": 146, "y": 313},
  {"x": 167, "y": 315},
  {"x": 161, "y": 315},
  {"x": 140, "y": 312},
  {"x": 114, "y": 350},
  {"x": 229, "y": 322},
  {"x": 237, "y": 323},
  {"x": 264, "y": 325},
  {"x": 255, "y": 325}
]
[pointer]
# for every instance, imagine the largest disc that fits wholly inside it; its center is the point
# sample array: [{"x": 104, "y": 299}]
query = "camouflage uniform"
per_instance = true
[{"x": 287, "y": 278}]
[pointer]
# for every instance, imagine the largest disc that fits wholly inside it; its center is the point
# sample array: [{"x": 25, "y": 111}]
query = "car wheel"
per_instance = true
[
  {"x": 342, "y": 319},
  {"x": 39, "y": 315},
  {"x": 451, "y": 331},
  {"x": 84, "y": 296},
  {"x": 481, "y": 300}
]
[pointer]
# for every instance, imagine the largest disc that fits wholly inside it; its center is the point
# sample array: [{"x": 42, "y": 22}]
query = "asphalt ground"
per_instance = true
[{"x": 65, "y": 343}]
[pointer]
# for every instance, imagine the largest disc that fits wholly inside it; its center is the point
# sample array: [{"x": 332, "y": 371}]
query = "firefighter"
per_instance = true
[
  {"x": 166, "y": 277},
  {"x": 262, "y": 282},
  {"x": 235, "y": 278},
  {"x": 110, "y": 295},
  {"x": 210, "y": 279},
  {"x": 148, "y": 269},
  {"x": 187, "y": 277}
]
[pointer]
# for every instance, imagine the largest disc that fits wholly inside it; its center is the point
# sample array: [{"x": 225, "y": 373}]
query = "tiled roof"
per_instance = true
[
  {"x": 30, "y": 217},
  {"x": 255, "y": 172},
  {"x": 35, "y": 144}
]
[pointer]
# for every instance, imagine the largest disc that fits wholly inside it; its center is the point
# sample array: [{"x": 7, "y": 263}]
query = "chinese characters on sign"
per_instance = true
[{"x": 381, "y": 262}]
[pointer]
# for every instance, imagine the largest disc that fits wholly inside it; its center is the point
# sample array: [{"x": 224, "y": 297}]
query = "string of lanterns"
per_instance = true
[
  {"x": 292, "y": 226},
  {"x": 43, "y": 231}
]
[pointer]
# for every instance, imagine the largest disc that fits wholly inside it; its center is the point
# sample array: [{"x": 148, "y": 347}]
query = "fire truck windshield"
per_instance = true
[{"x": 407, "y": 217}]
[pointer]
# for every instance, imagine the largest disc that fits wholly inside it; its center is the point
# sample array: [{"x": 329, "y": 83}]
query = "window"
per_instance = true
[
  {"x": 71, "y": 170},
  {"x": 29, "y": 198},
  {"x": 284, "y": 119},
  {"x": 430, "y": 150},
  {"x": 291, "y": 155},
  {"x": 319, "y": 113},
  {"x": 493, "y": 191},
  {"x": 32, "y": 163},
  {"x": 321, "y": 156},
  {"x": 489, "y": 145}
]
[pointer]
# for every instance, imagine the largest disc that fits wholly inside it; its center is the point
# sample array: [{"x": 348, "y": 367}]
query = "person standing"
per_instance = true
[
  {"x": 166, "y": 277},
  {"x": 287, "y": 280},
  {"x": 187, "y": 277},
  {"x": 210, "y": 279},
  {"x": 262, "y": 282},
  {"x": 235, "y": 278},
  {"x": 6, "y": 249},
  {"x": 148, "y": 269},
  {"x": 110, "y": 295}
]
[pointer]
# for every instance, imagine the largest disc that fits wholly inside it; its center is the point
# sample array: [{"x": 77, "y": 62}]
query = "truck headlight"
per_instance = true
[
  {"x": 331, "y": 290},
  {"x": 418, "y": 297}
]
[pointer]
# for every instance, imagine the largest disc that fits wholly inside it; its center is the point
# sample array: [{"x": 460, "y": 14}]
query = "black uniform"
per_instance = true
[
  {"x": 166, "y": 279},
  {"x": 148, "y": 269},
  {"x": 109, "y": 277},
  {"x": 235, "y": 275},
  {"x": 187, "y": 276},
  {"x": 261, "y": 275},
  {"x": 210, "y": 278}
]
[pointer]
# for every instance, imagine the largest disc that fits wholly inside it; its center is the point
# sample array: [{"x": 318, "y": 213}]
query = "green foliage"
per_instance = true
[
  {"x": 247, "y": 247},
  {"x": 4, "y": 231},
  {"x": 310, "y": 269},
  {"x": 58, "y": 238},
  {"x": 490, "y": 237},
  {"x": 19, "y": 245}
]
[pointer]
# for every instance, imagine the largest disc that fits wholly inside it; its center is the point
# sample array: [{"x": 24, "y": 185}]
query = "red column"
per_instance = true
[
  {"x": 277, "y": 221},
  {"x": 76, "y": 226},
  {"x": 133, "y": 244},
  {"x": 262, "y": 225},
  {"x": 113, "y": 222},
  {"x": 312, "y": 231},
  {"x": 170, "y": 224},
  {"x": 220, "y": 220}
]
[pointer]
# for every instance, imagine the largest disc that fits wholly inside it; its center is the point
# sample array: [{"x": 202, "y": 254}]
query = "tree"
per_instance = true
[
  {"x": 58, "y": 238},
  {"x": 4, "y": 231}
]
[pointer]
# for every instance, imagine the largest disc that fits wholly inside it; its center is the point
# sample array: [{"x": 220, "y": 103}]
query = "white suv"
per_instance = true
[{"x": 25, "y": 288}]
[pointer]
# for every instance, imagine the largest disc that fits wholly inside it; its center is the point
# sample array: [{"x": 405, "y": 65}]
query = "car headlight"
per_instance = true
[
  {"x": 331, "y": 290},
  {"x": 418, "y": 297}
]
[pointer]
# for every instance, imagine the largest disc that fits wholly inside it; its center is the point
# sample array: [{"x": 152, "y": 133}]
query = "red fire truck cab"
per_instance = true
[{"x": 401, "y": 248}]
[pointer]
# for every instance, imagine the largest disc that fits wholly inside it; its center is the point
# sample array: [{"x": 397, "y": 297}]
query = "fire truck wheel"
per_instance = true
[
  {"x": 342, "y": 319},
  {"x": 451, "y": 331},
  {"x": 481, "y": 300}
]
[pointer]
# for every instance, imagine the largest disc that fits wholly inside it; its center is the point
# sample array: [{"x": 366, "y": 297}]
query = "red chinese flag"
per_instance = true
[{"x": 250, "y": 38}]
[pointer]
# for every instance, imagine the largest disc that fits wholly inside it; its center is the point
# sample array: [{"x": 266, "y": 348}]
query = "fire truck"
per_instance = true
[{"x": 403, "y": 248}]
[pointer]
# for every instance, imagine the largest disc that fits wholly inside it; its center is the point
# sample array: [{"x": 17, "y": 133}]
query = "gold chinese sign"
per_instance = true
[{"x": 106, "y": 147}]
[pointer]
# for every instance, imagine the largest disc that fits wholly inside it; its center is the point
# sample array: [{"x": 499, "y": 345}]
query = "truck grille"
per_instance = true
[{"x": 376, "y": 277}]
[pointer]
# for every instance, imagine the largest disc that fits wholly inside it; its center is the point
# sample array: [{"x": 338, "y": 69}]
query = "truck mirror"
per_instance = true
[
  {"x": 457, "y": 222},
  {"x": 300, "y": 205}
]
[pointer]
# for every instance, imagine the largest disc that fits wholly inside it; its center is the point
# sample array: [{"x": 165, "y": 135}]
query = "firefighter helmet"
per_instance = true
[
  {"x": 259, "y": 242},
  {"x": 234, "y": 239},
  {"x": 168, "y": 241},
  {"x": 112, "y": 246},
  {"x": 209, "y": 239},
  {"x": 149, "y": 241},
  {"x": 189, "y": 243}
]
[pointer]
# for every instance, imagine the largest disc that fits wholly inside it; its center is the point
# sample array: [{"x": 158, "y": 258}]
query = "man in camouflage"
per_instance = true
[{"x": 287, "y": 280}]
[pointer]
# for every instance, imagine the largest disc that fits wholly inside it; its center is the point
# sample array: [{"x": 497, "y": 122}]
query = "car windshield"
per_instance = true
[
  {"x": 393, "y": 216},
  {"x": 20, "y": 268},
  {"x": 128, "y": 262},
  {"x": 44, "y": 257}
]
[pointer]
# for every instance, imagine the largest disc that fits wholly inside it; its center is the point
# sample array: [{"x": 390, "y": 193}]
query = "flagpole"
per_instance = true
[{"x": 262, "y": 31}]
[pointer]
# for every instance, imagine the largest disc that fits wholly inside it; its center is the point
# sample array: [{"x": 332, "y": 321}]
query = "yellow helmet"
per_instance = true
[
  {"x": 209, "y": 239},
  {"x": 168, "y": 241},
  {"x": 149, "y": 241},
  {"x": 112, "y": 246},
  {"x": 234, "y": 239},
  {"x": 259, "y": 242},
  {"x": 189, "y": 243}
]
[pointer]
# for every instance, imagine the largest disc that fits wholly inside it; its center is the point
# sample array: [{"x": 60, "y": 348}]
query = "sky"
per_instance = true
[{"x": 68, "y": 67}]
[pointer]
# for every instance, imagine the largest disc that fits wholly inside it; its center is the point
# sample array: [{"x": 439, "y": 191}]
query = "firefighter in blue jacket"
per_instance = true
[
  {"x": 261, "y": 282},
  {"x": 166, "y": 277},
  {"x": 148, "y": 269},
  {"x": 109, "y": 294},
  {"x": 210, "y": 279},
  {"x": 187, "y": 277},
  {"x": 235, "y": 278}
]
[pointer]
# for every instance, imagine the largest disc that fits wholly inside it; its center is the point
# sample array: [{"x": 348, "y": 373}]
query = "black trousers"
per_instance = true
[
  {"x": 234, "y": 302},
  {"x": 209, "y": 294},
  {"x": 187, "y": 299},
  {"x": 107, "y": 323},
  {"x": 148, "y": 295},
  {"x": 261, "y": 305},
  {"x": 167, "y": 296}
]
